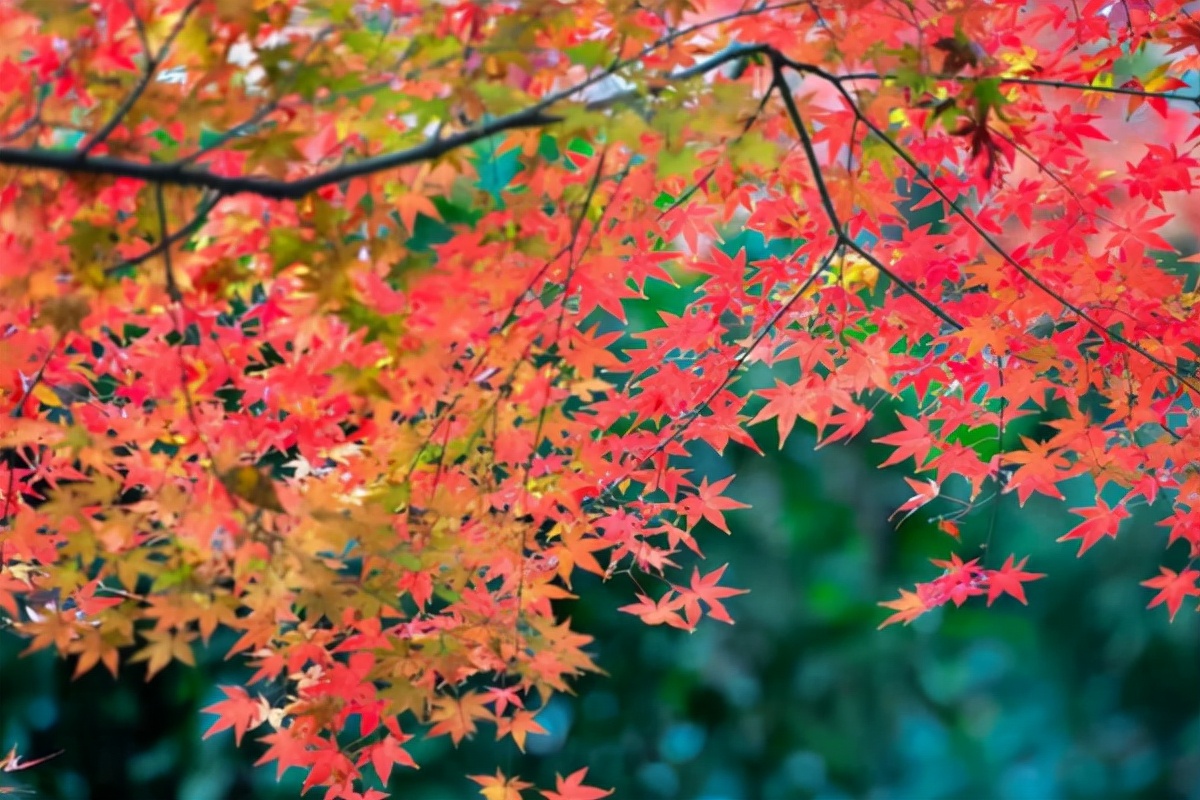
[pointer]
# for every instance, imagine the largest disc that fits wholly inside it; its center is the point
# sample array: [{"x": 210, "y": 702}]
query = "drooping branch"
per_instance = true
[
  {"x": 810, "y": 153},
  {"x": 924, "y": 175}
]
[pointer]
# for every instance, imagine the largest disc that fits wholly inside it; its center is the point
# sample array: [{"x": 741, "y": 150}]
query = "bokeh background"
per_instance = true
[{"x": 1083, "y": 693}]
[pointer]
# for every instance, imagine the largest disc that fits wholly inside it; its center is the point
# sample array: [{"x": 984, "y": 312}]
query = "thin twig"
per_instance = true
[
  {"x": 183, "y": 233},
  {"x": 684, "y": 422},
  {"x": 176, "y": 297},
  {"x": 140, "y": 25},
  {"x": 36, "y": 379},
  {"x": 1009, "y": 80},
  {"x": 695, "y": 187},
  {"x": 541, "y": 421},
  {"x": 266, "y": 110}
]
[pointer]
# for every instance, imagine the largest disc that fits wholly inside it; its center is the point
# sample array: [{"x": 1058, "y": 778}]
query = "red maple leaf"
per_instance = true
[
  {"x": 908, "y": 606},
  {"x": 1099, "y": 521},
  {"x": 572, "y": 788},
  {"x": 1009, "y": 579},
  {"x": 926, "y": 491},
  {"x": 288, "y": 747},
  {"x": 665, "y": 611},
  {"x": 238, "y": 710},
  {"x": 706, "y": 589},
  {"x": 388, "y": 752},
  {"x": 708, "y": 503},
  {"x": 1172, "y": 588},
  {"x": 500, "y": 786}
]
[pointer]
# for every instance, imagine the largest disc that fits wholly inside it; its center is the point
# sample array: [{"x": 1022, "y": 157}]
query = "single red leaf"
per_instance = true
[
  {"x": 1009, "y": 579},
  {"x": 1172, "y": 588},
  {"x": 573, "y": 788},
  {"x": 238, "y": 710}
]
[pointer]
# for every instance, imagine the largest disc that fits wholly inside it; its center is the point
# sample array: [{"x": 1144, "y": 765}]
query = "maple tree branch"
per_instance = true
[
  {"x": 176, "y": 173},
  {"x": 1011, "y": 80},
  {"x": 139, "y": 25},
  {"x": 153, "y": 62},
  {"x": 1085, "y": 87},
  {"x": 176, "y": 297},
  {"x": 164, "y": 237}
]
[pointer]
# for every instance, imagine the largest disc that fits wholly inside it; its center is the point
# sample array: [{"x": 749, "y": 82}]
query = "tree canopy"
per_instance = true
[{"x": 313, "y": 320}]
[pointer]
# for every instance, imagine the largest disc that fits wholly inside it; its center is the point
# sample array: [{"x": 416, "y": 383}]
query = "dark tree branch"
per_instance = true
[
  {"x": 1013, "y": 80},
  {"x": 165, "y": 237},
  {"x": 1113, "y": 90},
  {"x": 178, "y": 174}
]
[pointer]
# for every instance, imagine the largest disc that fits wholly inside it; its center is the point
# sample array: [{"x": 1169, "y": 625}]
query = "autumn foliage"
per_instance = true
[{"x": 313, "y": 320}]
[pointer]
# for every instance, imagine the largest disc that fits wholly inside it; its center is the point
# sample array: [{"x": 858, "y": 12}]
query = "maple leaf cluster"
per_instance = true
[{"x": 313, "y": 319}]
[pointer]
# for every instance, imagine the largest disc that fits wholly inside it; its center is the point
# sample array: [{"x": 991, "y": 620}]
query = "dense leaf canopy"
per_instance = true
[{"x": 312, "y": 318}]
